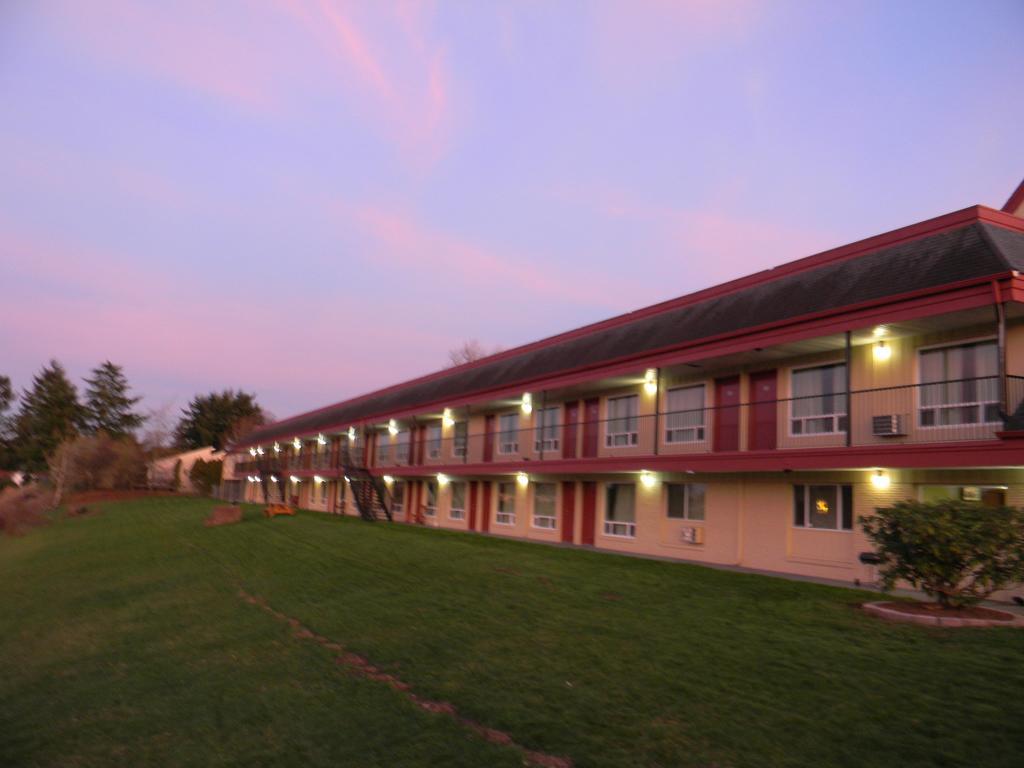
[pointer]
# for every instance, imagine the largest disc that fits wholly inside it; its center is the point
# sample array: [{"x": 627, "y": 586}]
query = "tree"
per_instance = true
[
  {"x": 50, "y": 414},
  {"x": 957, "y": 552},
  {"x": 210, "y": 419},
  {"x": 467, "y": 352},
  {"x": 6, "y": 423},
  {"x": 98, "y": 461},
  {"x": 205, "y": 475},
  {"x": 108, "y": 406}
]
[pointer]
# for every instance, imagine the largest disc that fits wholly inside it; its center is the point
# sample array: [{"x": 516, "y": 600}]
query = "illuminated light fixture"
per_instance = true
[
  {"x": 388, "y": 479},
  {"x": 256, "y": 479},
  {"x": 352, "y": 434},
  {"x": 447, "y": 419},
  {"x": 880, "y": 480},
  {"x": 523, "y": 479},
  {"x": 347, "y": 480},
  {"x": 273, "y": 478},
  {"x": 252, "y": 451},
  {"x": 277, "y": 447},
  {"x": 392, "y": 427},
  {"x": 651, "y": 381},
  {"x": 648, "y": 479},
  {"x": 320, "y": 439},
  {"x": 294, "y": 479},
  {"x": 259, "y": 449},
  {"x": 442, "y": 479},
  {"x": 297, "y": 444},
  {"x": 317, "y": 479},
  {"x": 249, "y": 478},
  {"x": 880, "y": 330},
  {"x": 527, "y": 403},
  {"x": 882, "y": 351},
  {"x": 821, "y": 507}
]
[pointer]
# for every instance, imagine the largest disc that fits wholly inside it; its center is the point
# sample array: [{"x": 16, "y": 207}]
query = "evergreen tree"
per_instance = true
[
  {"x": 210, "y": 419},
  {"x": 50, "y": 413},
  {"x": 108, "y": 406},
  {"x": 6, "y": 423}
]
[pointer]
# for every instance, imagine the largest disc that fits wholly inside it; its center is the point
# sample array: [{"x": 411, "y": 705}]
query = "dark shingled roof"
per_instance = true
[{"x": 972, "y": 251}]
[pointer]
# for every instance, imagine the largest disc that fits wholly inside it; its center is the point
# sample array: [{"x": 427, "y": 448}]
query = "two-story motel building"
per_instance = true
[{"x": 748, "y": 424}]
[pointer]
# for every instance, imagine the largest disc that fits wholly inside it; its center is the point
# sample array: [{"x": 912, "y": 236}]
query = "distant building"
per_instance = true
[{"x": 160, "y": 472}]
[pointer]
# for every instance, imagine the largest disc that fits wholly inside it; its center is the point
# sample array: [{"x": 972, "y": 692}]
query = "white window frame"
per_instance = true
[
  {"x": 504, "y": 517},
  {"x": 546, "y": 434},
  {"x": 398, "y": 507},
  {"x": 429, "y": 510},
  {"x": 837, "y": 418},
  {"x": 403, "y": 447},
  {"x": 507, "y": 447},
  {"x": 699, "y": 431},
  {"x": 840, "y": 501},
  {"x": 629, "y": 438},
  {"x": 458, "y": 513},
  {"x": 619, "y": 528},
  {"x": 919, "y": 407},
  {"x": 545, "y": 522},
  {"x": 460, "y": 443},
  {"x": 383, "y": 447},
  {"x": 434, "y": 441},
  {"x": 687, "y": 514}
]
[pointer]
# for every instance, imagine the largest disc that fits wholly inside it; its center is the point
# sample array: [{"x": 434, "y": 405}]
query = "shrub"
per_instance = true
[
  {"x": 22, "y": 508},
  {"x": 97, "y": 462},
  {"x": 205, "y": 475},
  {"x": 956, "y": 552}
]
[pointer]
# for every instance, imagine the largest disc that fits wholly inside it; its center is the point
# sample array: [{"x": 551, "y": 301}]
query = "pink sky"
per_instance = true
[{"x": 309, "y": 199}]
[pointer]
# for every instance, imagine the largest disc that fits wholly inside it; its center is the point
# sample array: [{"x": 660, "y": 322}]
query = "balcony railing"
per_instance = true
[{"x": 938, "y": 412}]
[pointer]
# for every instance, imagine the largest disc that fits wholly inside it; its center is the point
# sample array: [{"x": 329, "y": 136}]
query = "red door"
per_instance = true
[
  {"x": 472, "y": 505},
  {"x": 485, "y": 508},
  {"x": 489, "y": 438},
  {"x": 572, "y": 419},
  {"x": 591, "y": 414},
  {"x": 568, "y": 510},
  {"x": 763, "y": 429},
  {"x": 727, "y": 414},
  {"x": 589, "y": 513}
]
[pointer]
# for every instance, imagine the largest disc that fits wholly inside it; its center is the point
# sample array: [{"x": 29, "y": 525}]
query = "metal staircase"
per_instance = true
[{"x": 369, "y": 492}]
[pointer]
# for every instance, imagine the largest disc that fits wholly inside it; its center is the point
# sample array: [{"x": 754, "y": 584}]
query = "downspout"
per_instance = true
[
  {"x": 543, "y": 426},
  {"x": 849, "y": 400},
  {"x": 1000, "y": 345},
  {"x": 657, "y": 409}
]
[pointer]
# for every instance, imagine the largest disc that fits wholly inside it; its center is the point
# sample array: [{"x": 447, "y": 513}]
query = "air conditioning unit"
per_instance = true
[
  {"x": 890, "y": 425},
  {"x": 692, "y": 534}
]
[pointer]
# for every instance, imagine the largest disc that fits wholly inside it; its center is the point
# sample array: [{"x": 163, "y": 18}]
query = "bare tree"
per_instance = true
[
  {"x": 467, "y": 352},
  {"x": 159, "y": 434}
]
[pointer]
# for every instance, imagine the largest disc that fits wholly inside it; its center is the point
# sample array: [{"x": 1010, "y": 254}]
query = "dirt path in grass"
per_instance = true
[{"x": 362, "y": 667}]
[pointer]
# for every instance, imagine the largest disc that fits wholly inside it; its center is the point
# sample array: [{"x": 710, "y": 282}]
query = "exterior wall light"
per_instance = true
[
  {"x": 297, "y": 444},
  {"x": 351, "y": 434},
  {"x": 392, "y": 427},
  {"x": 527, "y": 403},
  {"x": 347, "y": 480},
  {"x": 442, "y": 479},
  {"x": 880, "y": 480},
  {"x": 648, "y": 479},
  {"x": 273, "y": 478},
  {"x": 294, "y": 479},
  {"x": 256, "y": 478},
  {"x": 388, "y": 479},
  {"x": 882, "y": 351},
  {"x": 317, "y": 479},
  {"x": 523, "y": 479},
  {"x": 259, "y": 450},
  {"x": 320, "y": 439},
  {"x": 651, "y": 381},
  {"x": 447, "y": 420},
  {"x": 277, "y": 447},
  {"x": 252, "y": 451},
  {"x": 880, "y": 330}
]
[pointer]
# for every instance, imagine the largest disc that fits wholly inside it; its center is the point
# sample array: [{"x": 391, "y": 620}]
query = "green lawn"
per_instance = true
[{"x": 124, "y": 642}]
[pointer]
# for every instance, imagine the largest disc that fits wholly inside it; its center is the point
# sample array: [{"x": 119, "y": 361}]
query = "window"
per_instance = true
[
  {"x": 508, "y": 433},
  {"x": 686, "y": 500},
  {"x": 457, "y": 511},
  {"x": 620, "y": 510},
  {"x": 985, "y": 495},
  {"x": 460, "y": 439},
  {"x": 397, "y": 497},
  {"x": 383, "y": 447},
  {"x": 544, "y": 510},
  {"x": 622, "y": 421},
  {"x": 818, "y": 406},
  {"x": 960, "y": 385},
  {"x": 684, "y": 422},
  {"x": 506, "y": 504},
  {"x": 340, "y": 507},
  {"x": 430, "y": 508},
  {"x": 547, "y": 429},
  {"x": 402, "y": 451},
  {"x": 828, "y": 507},
  {"x": 434, "y": 441}
]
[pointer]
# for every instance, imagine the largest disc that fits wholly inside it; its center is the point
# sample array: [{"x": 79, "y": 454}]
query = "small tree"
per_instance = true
[
  {"x": 210, "y": 419},
  {"x": 108, "y": 405},
  {"x": 205, "y": 475},
  {"x": 957, "y": 552}
]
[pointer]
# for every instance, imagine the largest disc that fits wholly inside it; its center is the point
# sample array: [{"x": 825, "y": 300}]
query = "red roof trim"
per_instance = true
[
  {"x": 1015, "y": 200},
  {"x": 916, "y": 231}
]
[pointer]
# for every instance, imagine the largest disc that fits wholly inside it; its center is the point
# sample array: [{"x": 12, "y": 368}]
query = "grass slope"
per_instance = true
[{"x": 123, "y": 641}]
